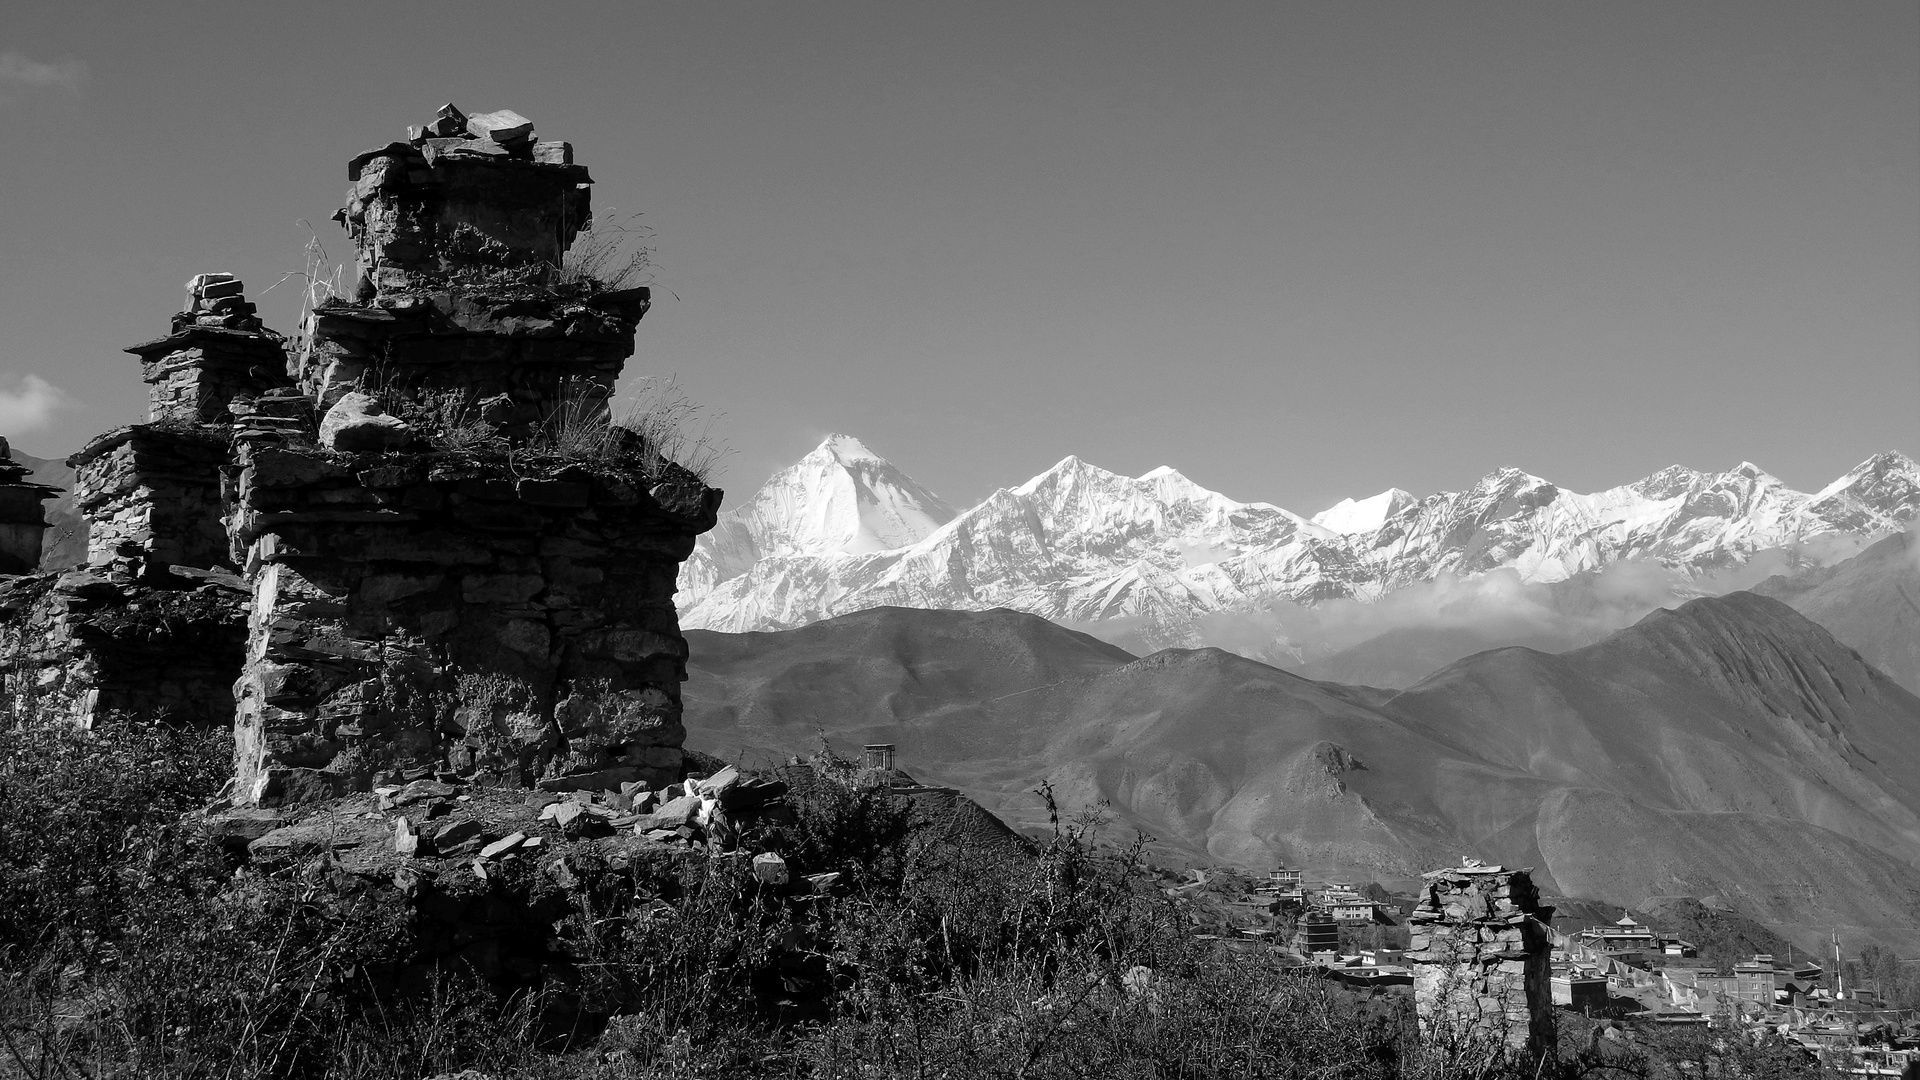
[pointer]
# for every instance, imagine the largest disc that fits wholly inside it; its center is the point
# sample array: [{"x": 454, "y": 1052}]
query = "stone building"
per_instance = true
[
  {"x": 1482, "y": 959},
  {"x": 453, "y": 559}
]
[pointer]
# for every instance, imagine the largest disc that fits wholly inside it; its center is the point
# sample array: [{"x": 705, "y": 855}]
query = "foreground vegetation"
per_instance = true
[{"x": 130, "y": 947}]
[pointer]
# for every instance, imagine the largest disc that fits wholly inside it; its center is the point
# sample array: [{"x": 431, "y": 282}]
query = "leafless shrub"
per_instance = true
[{"x": 319, "y": 284}]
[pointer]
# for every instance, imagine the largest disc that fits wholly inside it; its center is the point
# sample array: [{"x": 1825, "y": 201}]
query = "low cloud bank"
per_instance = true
[
  {"x": 1415, "y": 630},
  {"x": 21, "y": 73}
]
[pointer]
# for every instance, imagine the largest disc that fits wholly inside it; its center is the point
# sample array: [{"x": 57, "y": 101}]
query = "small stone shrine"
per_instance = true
[
  {"x": 451, "y": 557},
  {"x": 23, "y": 521},
  {"x": 1481, "y": 956}
]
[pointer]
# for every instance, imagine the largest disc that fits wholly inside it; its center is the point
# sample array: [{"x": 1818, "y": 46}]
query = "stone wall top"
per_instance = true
[
  {"x": 462, "y": 196},
  {"x": 1477, "y": 893}
]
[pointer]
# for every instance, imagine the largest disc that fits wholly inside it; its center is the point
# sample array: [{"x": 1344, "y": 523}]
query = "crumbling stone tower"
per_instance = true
[
  {"x": 151, "y": 492},
  {"x": 1481, "y": 955},
  {"x": 23, "y": 521},
  {"x": 153, "y": 623},
  {"x": 411, "y": 541},
  {"x": 466, "y": 566}
]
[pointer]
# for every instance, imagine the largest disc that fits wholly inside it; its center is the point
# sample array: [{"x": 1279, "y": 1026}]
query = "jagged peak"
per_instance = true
[
  {"x": 1888, "y": 463},
  {"x": 1747, "y": 470},
  {"x": 1667, "y": 483},
  {"x": 846, "y": 449},
  {"x": 1350, "y": 516},
  {"x": 1071, "y": 467},
  {"x": 1511, "y": 479}
]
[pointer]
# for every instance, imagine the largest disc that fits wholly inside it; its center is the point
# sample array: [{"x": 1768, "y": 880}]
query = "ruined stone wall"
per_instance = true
[
  {"x": 506, "y": 359},
  {"x": 453, "y": 561},
  {"x": 154, "y": 492},
  {"x": 425, "y": 609},
  {"x": 1481, "y": 956},
  {"x": 464, "y": 192},
  {"x": 194, "y": 374},
  {"x": 80, "y": 645}
]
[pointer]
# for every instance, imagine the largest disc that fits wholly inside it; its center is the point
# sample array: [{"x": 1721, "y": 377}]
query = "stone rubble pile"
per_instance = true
[
  {"x": 707, "y": 813},
  {"x": 494, "y": 880},
  {"x": 1481, "y": 956}
]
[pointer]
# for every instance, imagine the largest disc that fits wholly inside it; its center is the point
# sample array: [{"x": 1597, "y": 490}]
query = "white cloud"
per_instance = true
[
  {"x": 20, "y": 72},
  {"x": 29, "y": 403}
]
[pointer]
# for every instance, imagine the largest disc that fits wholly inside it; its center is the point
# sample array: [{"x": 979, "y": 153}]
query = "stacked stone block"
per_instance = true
[
  {"x": 151, "y": 497},
  {"x": 218, "y": 301},
  {"x": 461, "y": 305},
  {"x": 413, "y": 610},
  {"x": 193, "y": 374},
  {"x": 1481, "y": 956}
]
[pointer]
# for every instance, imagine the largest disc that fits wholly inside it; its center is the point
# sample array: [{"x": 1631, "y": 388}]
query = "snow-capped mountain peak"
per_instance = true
[
  {"x": 847, "y": 450},
  {"x": 1349, "y": 516},
  {"x": 843, "y": 530},
  {"x": 841, "y": 498},
  {"x": 1877, "y": 495}
]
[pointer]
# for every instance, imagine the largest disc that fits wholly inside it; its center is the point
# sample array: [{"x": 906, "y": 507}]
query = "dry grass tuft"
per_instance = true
[
  {"x": 674, "y": 426},
  {"x": 612, "y": 251}
]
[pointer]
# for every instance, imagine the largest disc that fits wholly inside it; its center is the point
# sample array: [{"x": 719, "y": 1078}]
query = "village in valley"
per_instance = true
[{"x": 1622, "y": 971}]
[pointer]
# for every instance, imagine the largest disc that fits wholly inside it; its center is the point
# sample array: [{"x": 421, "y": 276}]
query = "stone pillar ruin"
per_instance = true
[
  {"x": 23, "y": 521},
  {"x": 469, "y": 568},
  {"x": 416, "y": 542},
  {"x": 153, "y": 624},
  {"x": 151, "y": 492},
  {"x": 1481, "y": 956}
]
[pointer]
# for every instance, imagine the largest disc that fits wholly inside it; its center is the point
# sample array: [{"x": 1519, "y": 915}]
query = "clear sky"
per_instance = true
[{"x": 1298, "y": 251}]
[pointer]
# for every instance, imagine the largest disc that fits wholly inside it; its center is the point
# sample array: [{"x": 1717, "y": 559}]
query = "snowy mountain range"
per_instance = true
[{"x": 843, "y": 530}]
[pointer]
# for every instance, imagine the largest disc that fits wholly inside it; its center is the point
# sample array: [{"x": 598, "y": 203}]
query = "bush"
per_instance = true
[
  {"x": 90, "y": 830},
  {"x": 127, "y": 947}
]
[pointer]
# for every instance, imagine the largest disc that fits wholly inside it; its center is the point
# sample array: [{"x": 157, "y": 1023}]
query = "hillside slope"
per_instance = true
[
  {"x": 1730, "y": 748},
  {"x": 1871, "y": 602}
]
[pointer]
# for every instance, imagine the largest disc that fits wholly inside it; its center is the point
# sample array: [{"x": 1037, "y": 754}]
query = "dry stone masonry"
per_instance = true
[
  {"x": 1481, "y": 956},
  {"x": 450, "y": 559}
]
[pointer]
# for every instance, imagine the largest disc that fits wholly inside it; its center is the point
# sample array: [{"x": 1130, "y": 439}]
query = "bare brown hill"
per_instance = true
[
  {"x": 1730, "y": 748},
  {"x": 1403, "y": 656},
  {"x": 1871, "y": 602}
]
